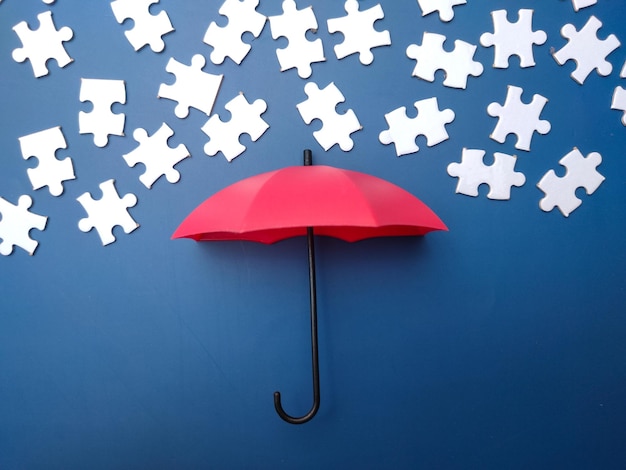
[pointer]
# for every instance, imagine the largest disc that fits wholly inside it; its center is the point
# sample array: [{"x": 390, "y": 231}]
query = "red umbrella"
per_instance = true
[{"x": 308, "y": 200}]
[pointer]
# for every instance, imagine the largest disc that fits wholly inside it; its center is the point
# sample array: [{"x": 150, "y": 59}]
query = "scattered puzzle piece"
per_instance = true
[
  {"x": 16, "y": 223},
  {"x": 444, "y": 7},
  {"x": 587, "y": 50},
  {"x": 42, "y": 44},
  {"x": 101, "y": 121},
  {"x": 561, "y": 191},
  {"x": 578, "y": 4},
  {"x": 300, "y": 53},
  {"x": 158, "y": 158},
  {"x": 515, "y": 117},
  {"x": 227, "y": 42},
  {"x": 193, "y": 87},
  {"x": 148, "y": 29},
  {"x": 107, "y": 212},
  {"x": 245, "y": 119},
  {"x": 50, "y": 171},
  {"x": 513, "y": 38},
  {"x": 500, "y": 176},
  {"x": 429, "y": 122},
  {"x": 619, "y": 102},
  {"x": 431, "y": 56},
  {"x": 358, "y": 30},
  {"x": 336, "y": 128}
]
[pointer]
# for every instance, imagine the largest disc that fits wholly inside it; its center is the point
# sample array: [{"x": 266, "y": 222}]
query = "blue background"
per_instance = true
[{"x": 499, "y": 344}]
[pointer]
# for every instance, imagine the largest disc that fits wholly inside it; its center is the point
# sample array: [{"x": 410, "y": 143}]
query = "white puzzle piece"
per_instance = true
[
  {"x": 444, "y": 7},
  {"x": 42, "y": 44},
  {"x": 429, "y": 122},
  {"x": 515, "y": 117},
  {"x": 50, "y": 171},
  {"x": 619, "y": 102},
  {"x": 102, "y": 121},
  {"x": 226, "y": 41},
  {"x": 586, "y": 50},
  {"x": 431, "y": 56},
  {"x": 578, "y": 4},
  {"x": 359, "y": 33},
  {"x": 107, "y": 212},
  {"x": 510, "y": 39},
  {"x": 148, "y": 29},
  {"x": 500, "y": 176},
  {"x": 245, "y": 119},
  {"x": 336, "y": 128},
  {"x": 156, "y": 155},
  {"x": 300, "y": 53},
  {"x": 561, "y": 191},
  {"x": 193, "y": 87},
  {"x": 16, "y": 222}
]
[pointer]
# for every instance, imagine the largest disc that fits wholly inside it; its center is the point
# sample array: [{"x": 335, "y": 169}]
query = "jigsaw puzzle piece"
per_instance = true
[
  {"x": 245, "y": 119},
  {"x": 107, "y": 212},
  {"x": 429, "y": 122},
  {"x": 156, "y": 155},
  {"x": 226, "y": 41},
  {"x": 101, "y": 121},
  {"x": 148, "y": 29},
  {"x": 444, "y": 7},
  {"x": 578, "y": 4},
  {"x": 358, "y": 30},
  {"x": 561, "y": 191},
  {"x": 50, "y": 171},
  {"x": 619, "y": 102},
  {"x": 16, "y": 222},
  {"x": 336, "y": 128},
  {"x": 42, "y": 44}
]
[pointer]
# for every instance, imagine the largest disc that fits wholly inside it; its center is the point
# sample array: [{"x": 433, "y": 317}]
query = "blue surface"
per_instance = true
[{"x": 499, "y": 344}]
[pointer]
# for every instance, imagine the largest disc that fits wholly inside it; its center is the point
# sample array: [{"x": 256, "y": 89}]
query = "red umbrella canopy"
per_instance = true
[{"x": 280, "y": 204}]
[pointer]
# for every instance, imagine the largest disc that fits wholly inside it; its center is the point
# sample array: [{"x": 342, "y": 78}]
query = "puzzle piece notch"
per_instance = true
[
  {"x": 561, "y": 191},
  {"x": 500, "y": 176},
  {"x": 226, "y": 41},
  {"x": 148, "y": 29},
  {"x": 245, "y": 119},
  {"x": 157, "y": 156},
  {"x": 107, "y": 212},
  {"x": 444, "y": 7},
  {"x": 42, "y": 44},
  {"x": 586, "y": 50},
  {"x": 336, "y": 128},
  {"x": 429, "y": 122},
  {"x": 16, "y": 222},
  {"x": 193, "y": 87},
  {"x": 619, "y": 102},
  {"x": 359, "y": 33},
  {"x": 513, "y": 38},
  {"x": 516, "y": 117},
  {"x": 50, "y": 171},
  {"x": 431, "y": 56},
  {"x": 102, "y": 121},
  {"x": 300, "y": 53}
]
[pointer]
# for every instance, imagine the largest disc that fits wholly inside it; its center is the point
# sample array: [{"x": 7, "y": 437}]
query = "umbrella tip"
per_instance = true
[{"x": 308, "y": 157}]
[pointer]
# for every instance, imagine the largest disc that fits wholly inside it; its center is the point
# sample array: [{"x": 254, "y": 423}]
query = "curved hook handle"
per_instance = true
[{"x": 291, "y": 419}]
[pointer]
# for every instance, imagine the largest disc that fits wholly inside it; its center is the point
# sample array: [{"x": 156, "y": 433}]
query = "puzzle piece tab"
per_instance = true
[
  {"x": 300, "y": 53},
  {"x": 193, "y": 87},
  {"x": 431, "y": 56},
  {"x": 50, "y": 171},
  {"x": 513, "y": 38},
  {"x": 245, "y": 119},
  {"x": 429, "y": 122},
  {"x": 358, "y": 30},
  {"x": 515, "y": 117},
  {"x": 158, "y": 158},
  {"x": 16, "y": 222},
  {"x": 226, "y": 41},
  {"x": 472, "y": 172},
  {"x": 336, "y": 128},
  {"x": 42, "y": 44},
  {"x": 586, "y": 50},
  {"x": 101, "y": 121},
  {"x": 107, "y": 212},
  {"x": 561, "y": 191},
  {"x": 148, "y": 29},
  {"x": 444, "y": 7}
]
